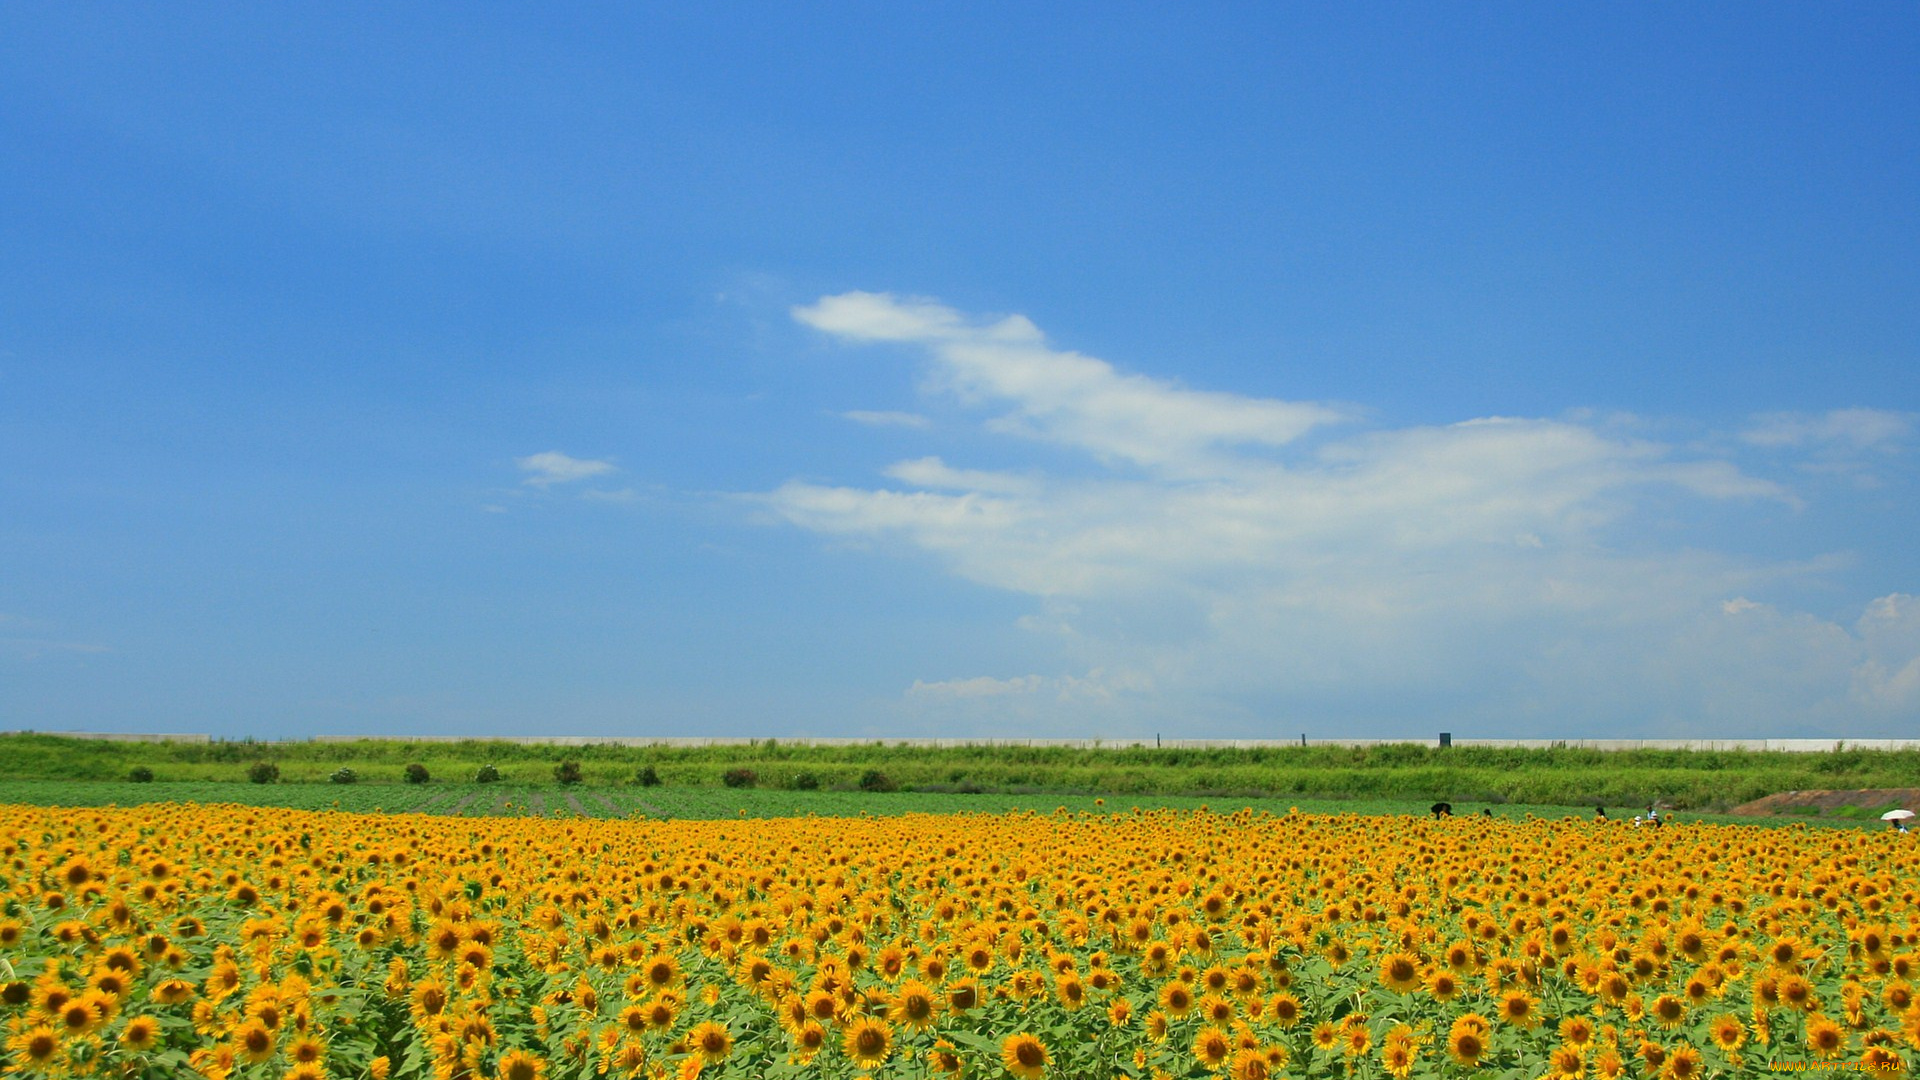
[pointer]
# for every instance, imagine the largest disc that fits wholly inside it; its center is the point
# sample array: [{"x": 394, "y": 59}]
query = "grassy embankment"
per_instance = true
[{"x": 1398, "y": 774}]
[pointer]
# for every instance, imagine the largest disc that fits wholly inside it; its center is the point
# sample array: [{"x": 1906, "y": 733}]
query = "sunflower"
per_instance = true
[
  {"x": 808, "y": 1039},
  {"x": 1177, "y": 999},
  {"x": 1566, "y": 1062},
  {"x": 1357, "y": 1039},
  {"x": 1399, "y": 972},
  {"x": 1212, "y": 1047},
  {"x": 1070, "y": 991},
  {"x": 37, "y": 1045},
  {"x": 661, "y": 972},
  {"x": 1025, "y": 1056},
  {"x": 81, "y": 1015},
  {"x": 306, "y": 1049},
  {"x": 1668, "y": 1011},
  {"x": 868, "y": 1041},
  {"x": 823, "y": 1005},
  {"x": 1879, "y": 1059},
  {"x": 428, "y": 998},
  {"x": 1825, "y": 1038},
  {"x": 520, "y": 1065},
  {"x": 1249, "y": 1063},
  {"x": 1576, "y": 1031},
  {"x": 914, "y": 1006},
  {"x": 1397, "y": 1058},
  {"x": 1685, "y": 1064},
  {"x": 1727, "y": 1032},
  {"x": 1326, "y": 1036},
  {"x": 711, "y": 1041},
  {"x": 1518, "y": 1009},
  {"x": 1798, "y": 993},
  {"x": 253, "y": 1041},
  {"x": 1467, "y": 1039},
  {"x": 945, "y": 1059},
  {"x": 963, "y": 995},
  {"x": 142, "y": 1033}
]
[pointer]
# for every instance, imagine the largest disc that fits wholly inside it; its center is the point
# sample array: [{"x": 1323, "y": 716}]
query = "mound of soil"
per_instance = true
[{"x": 1823, "y": 802}]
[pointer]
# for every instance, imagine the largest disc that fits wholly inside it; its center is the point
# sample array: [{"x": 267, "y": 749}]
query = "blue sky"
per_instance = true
[{"x": 754, "y": 369}]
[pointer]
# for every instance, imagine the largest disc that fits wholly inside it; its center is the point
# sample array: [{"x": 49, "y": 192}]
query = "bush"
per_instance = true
[
  {"x": 141, "y": 775},
  {"x": 647, "y": 777},
  {"x": 567, "y": 772},
  {"x": 344, "y": 775},
  {"x": 487, "y": 774},
  {"x": 416, "y": 773},
  {"x": 875, "y": 780},
  {"x": 740, "y": 778},
  {"x": 806, "y": 781},
  {"x": 263, "y": 772}
]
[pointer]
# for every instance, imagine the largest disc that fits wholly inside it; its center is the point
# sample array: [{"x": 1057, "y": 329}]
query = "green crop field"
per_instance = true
[{"x": 1402, "y": 774}]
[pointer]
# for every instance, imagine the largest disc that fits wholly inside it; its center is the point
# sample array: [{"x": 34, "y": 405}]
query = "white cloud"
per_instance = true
[
  {"x": 886, "y": 419},
  {"x": 1889, "y": 678},
  {"x": 1494, "y": 572},
  {"x": 1064, "y": 396},
  {"x": 553, "y": 467},
  {"x": 1855, "y": 429},
  {"x": 931, "y": 472},
  {"x": 1096, "y": 685},
  {"x": 978, "y": 687}
]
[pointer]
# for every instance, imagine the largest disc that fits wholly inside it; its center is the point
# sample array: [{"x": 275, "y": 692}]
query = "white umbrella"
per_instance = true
[{"x": 1896, "y": 815}]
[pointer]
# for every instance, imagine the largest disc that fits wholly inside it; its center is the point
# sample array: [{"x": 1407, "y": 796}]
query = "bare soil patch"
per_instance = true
[{"x": 1828, "y": 801}]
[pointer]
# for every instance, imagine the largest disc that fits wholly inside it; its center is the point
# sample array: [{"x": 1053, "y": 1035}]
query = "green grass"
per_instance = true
[
  {"x": 1402, "y": 773},
  {"x": 552, "y": 801}
]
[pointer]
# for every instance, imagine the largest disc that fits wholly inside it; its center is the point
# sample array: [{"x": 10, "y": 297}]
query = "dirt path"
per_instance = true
[
  {"x": 538, "y": 805},
  {"x": 574, "y": 802},
  {"x": 426, "y": 805},
  {"x": 613, "y": 808},
  {"x": 462, "y": 804},
  {"x": 1824, "y": 801}
]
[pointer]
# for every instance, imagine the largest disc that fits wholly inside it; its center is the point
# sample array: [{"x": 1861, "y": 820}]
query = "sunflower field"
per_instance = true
[{"x": 236, "y": 942}]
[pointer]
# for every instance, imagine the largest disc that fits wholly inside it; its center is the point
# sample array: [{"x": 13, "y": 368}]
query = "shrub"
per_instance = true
[
  {"x": 416, "y": 773},
  {"x": 344, "y": 775},
  {"x": 875, "y": 780},
  {"x": 647, "y": 777},
  {"x": 567, "y": 772},
  {"x": 263, "y": 772},
  {"x": 141, "y": 775},
  {"x": 740, "y": 778},
  {"x": 806, "y": 781},
  {"x": 487, "y": 774}
]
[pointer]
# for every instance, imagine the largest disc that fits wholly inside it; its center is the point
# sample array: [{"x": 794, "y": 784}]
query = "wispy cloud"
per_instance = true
[
  {"x": 1064, "y": 396},
  {"x": 886, "y": 419},
  {"x": 31, "y": 649},
  {"x": 553, "y": 467},
  {"x": 1857, "y": 429},
  {"x": 1492, "y": 566},
  {"x": 1095, "y": 685}
]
